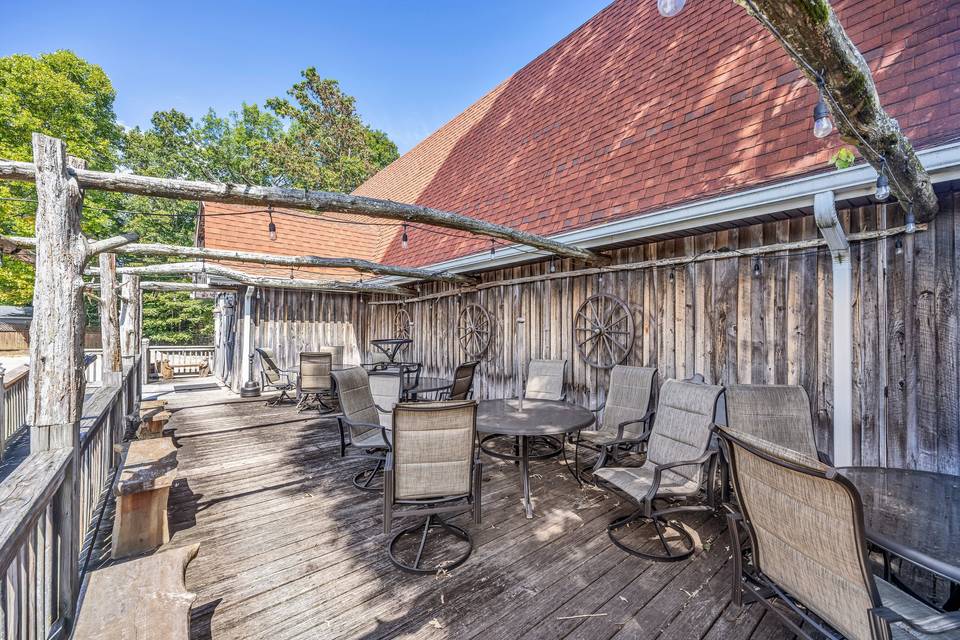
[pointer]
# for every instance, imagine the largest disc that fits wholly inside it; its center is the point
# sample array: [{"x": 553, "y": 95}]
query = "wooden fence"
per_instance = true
[
  {"x": 55, "y": 500},
  {"x": 13, "y": 403}
]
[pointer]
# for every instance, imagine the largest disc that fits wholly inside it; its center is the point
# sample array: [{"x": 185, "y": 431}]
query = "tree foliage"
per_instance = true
[{"x": 314, "y": 138}]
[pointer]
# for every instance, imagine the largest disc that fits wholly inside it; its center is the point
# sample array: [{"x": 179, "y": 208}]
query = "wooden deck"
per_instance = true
[{"x": 289, "y": 549}]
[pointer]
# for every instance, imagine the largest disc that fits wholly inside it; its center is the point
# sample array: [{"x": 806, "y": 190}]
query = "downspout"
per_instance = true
[
  {"x": 250, "y": 388},
  {"x": 825, "y": 214}
]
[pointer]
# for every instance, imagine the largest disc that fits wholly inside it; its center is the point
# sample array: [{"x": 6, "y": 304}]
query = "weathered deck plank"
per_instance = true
[{"x": 289, "y": 549}]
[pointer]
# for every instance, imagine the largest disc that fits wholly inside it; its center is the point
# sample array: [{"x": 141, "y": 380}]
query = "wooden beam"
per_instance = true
[
  {"x": 111, "y": 244},
  {"x": 12, "y": 244},
  {"x": 149, "y": 285},
  {"x": 322, "y": 201},
  {"x": 110, "y": 320},
  {"x": 813, "y": 36},
  {"x": 241, "y": 277},
  {"x": 130, "y": 316}
]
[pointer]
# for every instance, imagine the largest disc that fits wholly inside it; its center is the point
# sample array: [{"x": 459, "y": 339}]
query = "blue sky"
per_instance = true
[{"x": 411, "y": 65}]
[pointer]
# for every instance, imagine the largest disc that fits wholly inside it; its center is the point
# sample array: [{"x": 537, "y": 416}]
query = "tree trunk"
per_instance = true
[
  {"x": 109, "y": 320},
  {"x": 130, "y": 316}
]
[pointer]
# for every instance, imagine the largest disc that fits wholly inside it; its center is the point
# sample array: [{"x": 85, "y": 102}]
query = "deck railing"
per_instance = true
[
  {"x": 175, "y": 355},
  {"x": 13, "y": 403},
  {"x": 49, "y": 511}
]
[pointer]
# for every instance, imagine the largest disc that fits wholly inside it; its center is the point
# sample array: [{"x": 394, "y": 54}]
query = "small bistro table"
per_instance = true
[
  {"x": 390, "y": 346},
  {"x": 427, "y": 384},
  {"x": 914, "y": 515},
  {"x": 537, "y": 418}
]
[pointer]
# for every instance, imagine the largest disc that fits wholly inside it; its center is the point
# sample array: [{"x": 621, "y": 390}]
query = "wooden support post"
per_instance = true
[
  {"x": 110, "y": 320},
  {"x": 130, "y": 321},
  {"x": 56, "y": 385}
]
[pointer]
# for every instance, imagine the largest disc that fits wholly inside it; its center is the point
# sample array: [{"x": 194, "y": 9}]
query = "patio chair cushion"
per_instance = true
[
  {"x": 598, "y": 437},
  {"x": 628, "y": 398},
  {"x": 775, "y": 413},
  {"x": 685, "y": 415},
  {"x": 370, "y": 439},
  {"x": 545, "y": 380},
  {"x": 636, "y": 481}
]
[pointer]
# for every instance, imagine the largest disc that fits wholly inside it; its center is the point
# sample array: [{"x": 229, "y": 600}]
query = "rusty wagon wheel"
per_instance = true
[
  {"x": 603, "y": 330},
  {"x": 474, "y": 328},
  {"x": 401, "y": 324}
]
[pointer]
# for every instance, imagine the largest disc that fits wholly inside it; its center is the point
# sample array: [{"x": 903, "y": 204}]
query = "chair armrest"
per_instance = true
[
  {"x": 939, "y": 623},
  {"x": 645, "y": 419},
  {"x": 824, "y": 458},
  {"x": 660, "y": 468},
  {"x": 598, "y": 409}
]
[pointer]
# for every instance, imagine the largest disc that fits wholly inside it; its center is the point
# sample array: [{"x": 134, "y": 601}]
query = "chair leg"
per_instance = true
[
  {"x": 432, "y": 522},
  {"x": 364, "y": 479},
  {"x": 660, "y": 526},
  {"x": 737, "y": 597}
]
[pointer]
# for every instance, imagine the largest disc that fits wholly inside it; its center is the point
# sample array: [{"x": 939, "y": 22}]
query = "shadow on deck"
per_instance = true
[{"x": 289, "y": 549}]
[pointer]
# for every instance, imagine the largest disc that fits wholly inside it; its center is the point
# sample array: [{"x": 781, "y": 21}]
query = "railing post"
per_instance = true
[
  {"x": 144, "y": 360},
  {"x": 109, "y": 321},
  {"x": 3, "y": 413}
]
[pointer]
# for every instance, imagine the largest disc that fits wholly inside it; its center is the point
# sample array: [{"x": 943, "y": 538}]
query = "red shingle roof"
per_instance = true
[{"x": 633, "y": 112}]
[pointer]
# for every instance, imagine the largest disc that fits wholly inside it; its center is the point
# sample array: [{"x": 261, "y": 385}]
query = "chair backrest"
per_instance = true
[
  {"x": 315, "y": 371},
  {"x": 434, "y": 448},
  {"x": 385, "y": 386},
  {"x": 682, "y": 430},
  {"x": 545, "y": 380},
  {"x": 268, "y": 365},
  {"x": 628, "y": 398},
  {"x": 463, "y": 380},
  {"x": 356, "y": 400},
  {"x": 336, "y": 351},
  {"x": 776, "y": 413},
  {"x": 806, "y": 525}
]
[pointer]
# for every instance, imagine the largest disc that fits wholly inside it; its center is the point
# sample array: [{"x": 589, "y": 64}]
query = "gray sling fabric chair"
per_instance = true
[
  {"x": 776, "y": 413},
  {"x": 462, "y": 387},
  {"x": 314, "y": 381},
  {"x": 432, "y": 468},
  {"x": 805, "y": 527},
  {"x": 545, "y": 380},
  {"x": 386, "y": 388},
  {"x": 360, "y": 428},
  {"x": 680, "y": 465},
  {"x": 627, "y": 415},
  {"x": 273, "y": 377}
]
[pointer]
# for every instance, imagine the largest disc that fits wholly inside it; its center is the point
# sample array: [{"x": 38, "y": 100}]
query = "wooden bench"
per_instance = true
[
  {"x": 144, "y": 599},
  {"x": 142, "y": 489},
  {"x": 152, "y": 422},
  {"x": 168, "y": 370}
]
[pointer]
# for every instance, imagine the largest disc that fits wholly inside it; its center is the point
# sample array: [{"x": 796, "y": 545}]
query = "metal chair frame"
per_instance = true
[
  {"x": 364, "y": 479},
  {"x": 266, "y": 361}
]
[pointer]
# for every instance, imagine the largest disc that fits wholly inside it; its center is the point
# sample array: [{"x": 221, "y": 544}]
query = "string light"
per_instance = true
[
  {"x": 404, "y": 240},
  {"x": 553, "y": 266},
  {"x": 898, "y": 247},
  {"x": 271, "y": 228},
  {"x": 493, "y": 246},
  {"x": 756, "y": 266},
  {"x": 822, "y": 125},
  {"x": 670, "y": 8},
  {"x": 883, "y": 184}
]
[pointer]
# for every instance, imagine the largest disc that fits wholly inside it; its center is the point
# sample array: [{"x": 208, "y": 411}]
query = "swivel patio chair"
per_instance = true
[
  {"x": 680, "y": 466},
  {"x": 432, "y": 469},
  {"x": 805, "y": 527},
  {"x": 315, "y": 381},
  {"x": 361, "y": 431},
  {"x": 545, "y": 380},
  {"x": 273, "y": 377},
  {"x": 386, "y": 387},
  {"x": 627, "y": 416},
  {"x": 462, "y": 387},
  {"x": 776, "y": 413}
]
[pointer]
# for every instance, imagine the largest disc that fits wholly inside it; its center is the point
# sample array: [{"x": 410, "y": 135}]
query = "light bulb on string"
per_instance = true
[
  {"x": 493, "y": 247},
  {"x": 822, "y": 125},
  {"x": 883, "y": 183},
  {"x": 404, "y": 240},
  {"x": 670, "y": 8},
  {"x": 898, "y": 247},
  {"x": 756, "y": 266},
  {"x": 271, "y": 228}
]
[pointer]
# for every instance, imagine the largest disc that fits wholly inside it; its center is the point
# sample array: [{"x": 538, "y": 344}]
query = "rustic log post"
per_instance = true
[
  {"x": 145, "y": 360},
  {"x": 3, "y": 412},
  {"x": 130, "y": 319},
  {"x": 110, "y": 320},
  {"x": 56, "y": 384}
]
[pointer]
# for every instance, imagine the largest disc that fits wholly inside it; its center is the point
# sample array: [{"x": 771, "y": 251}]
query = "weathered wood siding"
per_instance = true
[{"x": 722, "y": 319}]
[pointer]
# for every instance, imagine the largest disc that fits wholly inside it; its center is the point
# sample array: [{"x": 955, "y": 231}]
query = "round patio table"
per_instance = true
[
  {"x": 914, "y": 515},
  {"x": 390, "y": 346},
  {"x": 427, "y": 384},
  {"x": 537, "y": 418}
]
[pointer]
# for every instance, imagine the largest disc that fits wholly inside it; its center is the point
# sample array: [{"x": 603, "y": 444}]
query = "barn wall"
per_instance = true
[{"x": 725, "y": 320}]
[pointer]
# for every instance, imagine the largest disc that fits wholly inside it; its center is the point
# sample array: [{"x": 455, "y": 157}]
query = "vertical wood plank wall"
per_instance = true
[{"x": 721, "y": 319}]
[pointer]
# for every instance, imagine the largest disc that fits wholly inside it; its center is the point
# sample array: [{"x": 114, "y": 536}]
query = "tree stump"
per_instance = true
[{"x": 140, "y": 524}]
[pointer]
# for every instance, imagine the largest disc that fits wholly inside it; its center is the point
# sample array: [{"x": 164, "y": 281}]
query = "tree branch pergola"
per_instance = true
[
  {"x": 814, "y": 36},
  {"x": 11, "y": 244},
  {"x": 321, "y": 201},
  {"x": 241, "y": 277}
]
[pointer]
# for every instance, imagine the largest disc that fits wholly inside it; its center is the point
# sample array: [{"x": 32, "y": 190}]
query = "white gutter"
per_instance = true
[
  {"x": 825, "y": 214},
  {"x": 942, "y": 163}
]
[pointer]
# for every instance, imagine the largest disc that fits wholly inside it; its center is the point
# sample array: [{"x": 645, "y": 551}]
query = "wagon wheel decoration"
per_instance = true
[
  {"x": 603, "y": 330},
  {"x": 474, "y": 328},
  {"x": 401, "y": 324}
]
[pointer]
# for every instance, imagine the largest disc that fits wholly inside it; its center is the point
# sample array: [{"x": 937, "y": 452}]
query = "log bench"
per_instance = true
[
  {"x": 152, "y": 422},
  {"x": 142, "y": 489},
  {"x": 168, "y": 370},
  {"x": 143, "y": 599}
]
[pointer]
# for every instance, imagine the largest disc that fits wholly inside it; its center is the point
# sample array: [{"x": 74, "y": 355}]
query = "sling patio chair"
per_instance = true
[
  {"x": 805, "y": 528},
  {"x": 679, "y": 468},
  {"x": 273, "y": 377},
  {"x": 776, "y": 413},
  {"x": 627, "y": 415},
  {"x": 432, "y": 469},
  {"x": 361, "y": 430},
  {"x": 545, "y": 380},
  {"x": 386, "y": 386},
  {"x": 462, "y": 387},
  {"x": 315, "y": 381}
]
